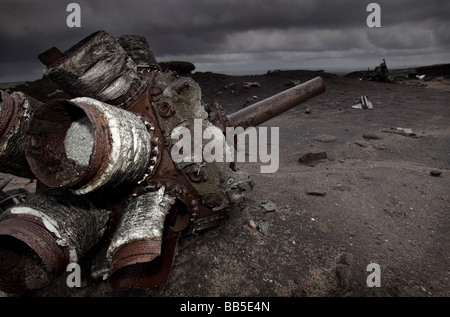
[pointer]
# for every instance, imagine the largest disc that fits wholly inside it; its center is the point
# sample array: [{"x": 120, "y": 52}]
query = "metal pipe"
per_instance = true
[
  {"x": 271, "y": 107},
  {"x": 39, "y": 237},
  {"x": 84, "y": 144},
  {"x": 16, "y": 112}
]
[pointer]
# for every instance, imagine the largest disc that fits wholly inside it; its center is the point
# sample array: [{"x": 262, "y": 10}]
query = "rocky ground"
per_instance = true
[{"x": 372, "y": 194}]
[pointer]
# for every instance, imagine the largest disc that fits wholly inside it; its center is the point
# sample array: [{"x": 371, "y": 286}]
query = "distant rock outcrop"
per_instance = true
[{"x": 182, "y": 68}]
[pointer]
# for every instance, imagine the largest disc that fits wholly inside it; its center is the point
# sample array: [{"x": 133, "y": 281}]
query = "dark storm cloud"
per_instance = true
[{"x": 232, "y": 33}]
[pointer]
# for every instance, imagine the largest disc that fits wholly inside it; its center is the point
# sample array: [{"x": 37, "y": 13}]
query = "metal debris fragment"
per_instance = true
[
  {"x": 363, "y": 104},
  {"x": 401, "y": 131},
  {"x": 142, "y": 219}
]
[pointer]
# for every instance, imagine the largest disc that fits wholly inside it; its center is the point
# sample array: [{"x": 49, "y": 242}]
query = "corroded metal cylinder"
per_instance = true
[
  {"x": 41, "y": 236},
  {"x": 139, "y": 236},
  {"x": 271, "y": 107},
  {"x": 84, "y": 144},
  {"x": 96, "y": 67},
  {"x": 16, "y": 111}
]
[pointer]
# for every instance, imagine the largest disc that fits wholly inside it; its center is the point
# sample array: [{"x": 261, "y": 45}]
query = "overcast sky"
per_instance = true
[{"x": 235, "y": 35}]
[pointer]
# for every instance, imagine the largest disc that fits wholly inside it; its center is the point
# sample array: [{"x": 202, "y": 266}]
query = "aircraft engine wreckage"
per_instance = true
[{"x": 106, "y": 182}]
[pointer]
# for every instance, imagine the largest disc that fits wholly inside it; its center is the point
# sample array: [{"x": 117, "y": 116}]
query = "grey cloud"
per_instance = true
[{"x": 201, "y": 30}]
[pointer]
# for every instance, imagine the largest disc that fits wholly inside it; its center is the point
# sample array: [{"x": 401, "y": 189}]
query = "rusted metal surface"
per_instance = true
[
  {"x": 138, "y": 237},
  {"x": 7, "y": 108},
  {"x": 103, "y": 145},
  {"x": 148, "y": 274},
  {"x": 25, "y": 240},
  {"x": 206, "y": 179},
  {"x": 142, "y": 220},
  {"x": 96, "y": 67},
  {"x": 112, "y": 143},
  {"x": 16, "y": 112},
  {"x": 139, "y": 50},
  {"x": 271, "y": 107},
  {"x": 57, "y": 226}
]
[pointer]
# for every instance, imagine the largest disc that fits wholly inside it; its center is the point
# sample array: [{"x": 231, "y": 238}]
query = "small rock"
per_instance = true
[
  {"x": 313, "y": 156},
  {"x": 371, "y": 136},
  {"x": 380, "y": 147},
  {"x": 249, "y": 100},
  {"x": 251, "y": 84},
  {"x": 344, "y": 270},
  {"x": 346, "y": 258},
  {"x": 293, "y": 83},
  {"x": 229, "y": 85},
  {"x": 320, "y": 226},
  {"x": 325, "y": 138},
  {"x": 343, "y": 274},
  {"x": 269, "y": 206},
  {"x": 252, "y": 224},
  {"x": 435, "y": 173},
  {"x": 361, "y": 144},
  {"x": 308, "y": 111},
  {"x": 263, "y": 227},
  {"x": 316, "y": 193}
]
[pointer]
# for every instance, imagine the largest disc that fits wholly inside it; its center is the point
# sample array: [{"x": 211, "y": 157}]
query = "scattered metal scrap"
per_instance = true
[
  {"x": 381, "y": 73},
  {"x": 105, "y": 176},
  {"x": 415, "y": 75},
  {"x": 363, "y": 104},
  {"x": 402, "y": 131}
]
